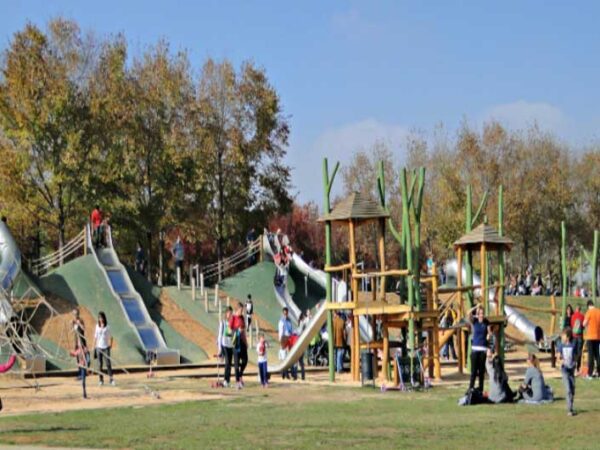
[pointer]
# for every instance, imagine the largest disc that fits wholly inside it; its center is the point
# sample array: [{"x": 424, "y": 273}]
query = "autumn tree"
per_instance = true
[
  {"x": 46, "y": 145},
  {"x": 239, "y": 160}
]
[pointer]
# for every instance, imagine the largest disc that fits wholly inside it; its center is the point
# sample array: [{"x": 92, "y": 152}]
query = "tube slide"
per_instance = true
[
  {"x": 10, "y": 266},
  {"x": 532, "y": 332}
]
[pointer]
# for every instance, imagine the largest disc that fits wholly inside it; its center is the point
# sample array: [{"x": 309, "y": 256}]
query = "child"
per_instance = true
[
  {"x": 261, "y": 349},
  {"x": 568, "y": 357},
  {"x": 82, "y": 356}
]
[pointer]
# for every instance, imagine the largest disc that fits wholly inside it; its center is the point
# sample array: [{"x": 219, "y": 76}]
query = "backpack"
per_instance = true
[{"x": 472, "y": 397}]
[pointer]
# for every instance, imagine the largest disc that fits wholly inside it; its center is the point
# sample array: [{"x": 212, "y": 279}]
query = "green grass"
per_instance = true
[{"x": 302, "y": 416}]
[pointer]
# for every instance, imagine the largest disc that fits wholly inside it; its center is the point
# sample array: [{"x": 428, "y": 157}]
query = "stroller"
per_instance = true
[{"x": 317, "y": 350}]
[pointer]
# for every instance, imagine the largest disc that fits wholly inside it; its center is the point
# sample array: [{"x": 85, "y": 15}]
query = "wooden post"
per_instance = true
[
  {"x": 553, "y": 320},
  {"x": 385, "y": 360},
  {"x": 355, "y": 356},
  {"x": 201, "y": 284},
  {"x": 178, "y": 278},
  {"x": 205, "y": 301},
  {"x": 193, "y": 282},
  {"x": 228, "y": 302},
  {"x": 483, "y": 262},
  {"x": 501, "y": 274},
  {"x": 216, "y": 294}
]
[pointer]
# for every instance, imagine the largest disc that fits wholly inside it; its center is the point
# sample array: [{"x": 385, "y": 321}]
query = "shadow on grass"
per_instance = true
[{"x": 53, "y": 429}]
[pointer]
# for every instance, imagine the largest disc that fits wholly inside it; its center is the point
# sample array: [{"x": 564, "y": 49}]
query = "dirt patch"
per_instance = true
[
  {"x": 185, "y": 325},
  {"x": 58, "y": 328}
]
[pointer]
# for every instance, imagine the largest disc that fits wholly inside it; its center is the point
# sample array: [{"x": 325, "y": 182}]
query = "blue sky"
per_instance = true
[{"x": 351, "y": 72}]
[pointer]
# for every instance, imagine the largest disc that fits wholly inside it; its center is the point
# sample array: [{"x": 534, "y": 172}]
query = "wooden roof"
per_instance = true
[
  {"x": 484, "y": 233},
  {"x": 356, "y": 206}
]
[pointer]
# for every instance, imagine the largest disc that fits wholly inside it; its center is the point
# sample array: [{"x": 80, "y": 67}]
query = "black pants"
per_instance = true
[
  {"x": 240, "y": 359},
  {"x": 578, "y": 343},
  {"x": 477, "y": 368},
  {"x": 295, "y": 369},
  {"x": 593, "y": 356},
  {"x": 104, "y": 354},
  {"x": 82, "y": 375},
  {"x": 228, "y": 356}
]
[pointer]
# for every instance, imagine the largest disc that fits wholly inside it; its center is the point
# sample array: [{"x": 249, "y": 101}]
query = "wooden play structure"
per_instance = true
[{"x": 413, "y": 316}]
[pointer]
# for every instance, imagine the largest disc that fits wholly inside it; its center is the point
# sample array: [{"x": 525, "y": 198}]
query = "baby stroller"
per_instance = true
[{"x": 317, "y": 350}]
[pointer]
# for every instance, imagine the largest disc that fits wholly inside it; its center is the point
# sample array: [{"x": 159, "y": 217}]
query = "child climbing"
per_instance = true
[
  {"x": 82, "y": 357},
  {"x": 568, "y": 356},
  {"x": 261, "y": 350}
]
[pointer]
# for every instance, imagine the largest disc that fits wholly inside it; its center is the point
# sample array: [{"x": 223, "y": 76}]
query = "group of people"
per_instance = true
[
  {"x": 533, "y": 389},
  {"x": 287, "y": 338},
  {"x": 232, "y": 345},
  {"x": 102, "y": 344}
]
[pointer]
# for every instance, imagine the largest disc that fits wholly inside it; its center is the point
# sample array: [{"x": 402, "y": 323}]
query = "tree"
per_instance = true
[
  {"x": 47, "y": 156},
  {"x": 239, "y": 162}
]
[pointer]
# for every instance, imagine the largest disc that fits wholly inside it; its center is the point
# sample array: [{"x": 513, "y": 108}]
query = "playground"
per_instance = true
[{"x": 179, "y": 270}]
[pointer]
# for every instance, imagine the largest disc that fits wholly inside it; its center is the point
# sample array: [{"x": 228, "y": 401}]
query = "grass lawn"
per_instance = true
[{"x": 309, "y": 416}]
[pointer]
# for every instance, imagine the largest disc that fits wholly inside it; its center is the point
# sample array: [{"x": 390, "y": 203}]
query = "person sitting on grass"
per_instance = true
[
  {"x": 500, "y": 391},
  {"x": 568, "y": 355},
  {"x": 534, "y": 389}
]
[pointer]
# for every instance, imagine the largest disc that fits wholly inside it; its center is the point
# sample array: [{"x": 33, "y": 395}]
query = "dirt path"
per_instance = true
[
  {"x": 58, "y": 328},
  {"x": 185, "y": 325}
]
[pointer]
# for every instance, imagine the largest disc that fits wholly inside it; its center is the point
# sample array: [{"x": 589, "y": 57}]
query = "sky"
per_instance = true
[{"x": 350, "y": 73}]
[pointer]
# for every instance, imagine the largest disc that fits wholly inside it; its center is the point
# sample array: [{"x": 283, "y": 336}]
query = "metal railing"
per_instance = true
[
  {"x": 226, "y": 265},
  {"x": 69, "y": 251}
]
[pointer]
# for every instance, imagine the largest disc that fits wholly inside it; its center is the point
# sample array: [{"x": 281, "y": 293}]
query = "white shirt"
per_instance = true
[
  {"x": 102, "y": 337},
  {"x": 261, "y": 358}
]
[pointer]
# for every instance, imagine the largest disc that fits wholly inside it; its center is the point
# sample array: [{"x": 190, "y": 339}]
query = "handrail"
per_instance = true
[
  {"x": 255, "y": 245},
  {"x": 44, "y": 264},
  {"x": 229, "y": 264}
]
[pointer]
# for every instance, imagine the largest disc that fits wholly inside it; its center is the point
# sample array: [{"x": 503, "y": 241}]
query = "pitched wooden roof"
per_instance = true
[
  {"x": 484, "y": 233},
  {"x": 356, "y": 206}
]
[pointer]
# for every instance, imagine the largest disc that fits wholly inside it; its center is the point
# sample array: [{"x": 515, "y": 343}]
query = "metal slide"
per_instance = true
[
  {"x": 10, "y": 267},
  {"x": 532, "y": 332},
  {"x": 132, "y": 303},
  {"x": 314, "y": 326}
]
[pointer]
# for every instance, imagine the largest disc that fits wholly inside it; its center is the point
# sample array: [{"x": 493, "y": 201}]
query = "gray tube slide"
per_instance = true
[
  {"x": 10, "y": 266},
  {"x": 532, "y": 332}
]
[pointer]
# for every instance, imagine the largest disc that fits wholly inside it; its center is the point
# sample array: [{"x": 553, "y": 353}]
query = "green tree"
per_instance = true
[
  {"x": 239, "y": 162},
  {"x": 46, "y": 151}
]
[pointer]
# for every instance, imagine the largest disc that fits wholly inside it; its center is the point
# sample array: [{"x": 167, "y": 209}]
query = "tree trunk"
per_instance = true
[
  {"x": 161, "y": 244},
  {"x": 221, "y": 211},
  {"x": 526, "y": 251},
  {"x": 149, "y": 262}
]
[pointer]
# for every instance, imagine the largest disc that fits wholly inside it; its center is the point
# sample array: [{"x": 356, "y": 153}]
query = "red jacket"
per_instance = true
[
  {"x": 577, "y": 315},
  {"x": 96, "y": 218}
]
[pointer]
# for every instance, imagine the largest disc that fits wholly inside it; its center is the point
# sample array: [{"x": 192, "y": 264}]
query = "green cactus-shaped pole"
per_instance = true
[
  {"x": 409, "y": 260},
  {"x": 501, "y": 297},
  {"x": 563, "y": 259},
  {"x": 327, "y": 184},
  {"x": 592, "y": 259}
]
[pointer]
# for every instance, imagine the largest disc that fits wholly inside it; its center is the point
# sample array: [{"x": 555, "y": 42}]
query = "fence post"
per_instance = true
[
  {"x": 193, "y": 283},
  {"x": 228, "y": 301},
  {"x": 205, "y": 301},
  {"x": 201, "y": 284},
  {"x": 306, "y": 285},
  {"x": 220, "y": 310},
  {"x": 178, "y": 279},
  {"x": 216, "y": 293}
]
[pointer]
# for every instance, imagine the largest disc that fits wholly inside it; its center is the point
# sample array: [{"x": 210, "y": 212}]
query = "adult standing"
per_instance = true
[
  {"x": 480, "y": 332},
  {"x": 240, "y": 344},
  {"x": 577, "y": 328},
  {"x": 179, "y": 255},
  {"x": 591, "y": 323},
  {"x": 568, "y": 316},
  {"x": 285, "y": 330},
  {"x": 225, "y": 345},
  {"x": 302, "y": 326},
  {"x": 339, "y": 341},
  {"x": 103, "y": 342}
]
